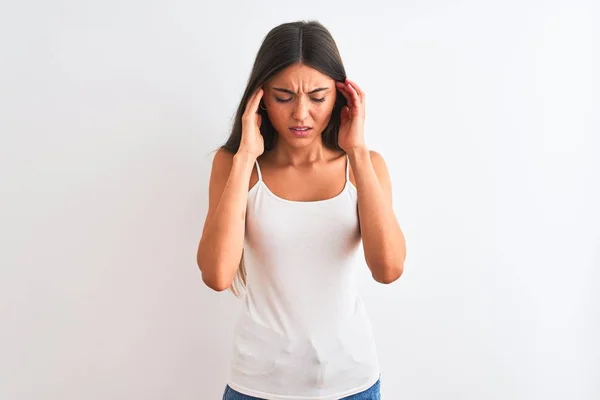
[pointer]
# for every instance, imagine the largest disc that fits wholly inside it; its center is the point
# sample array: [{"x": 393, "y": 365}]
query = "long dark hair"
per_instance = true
[{"x": 309, "y": 43}]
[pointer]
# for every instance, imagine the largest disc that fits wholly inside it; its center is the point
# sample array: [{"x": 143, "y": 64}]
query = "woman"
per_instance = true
[{"x": 292, "y": 194}]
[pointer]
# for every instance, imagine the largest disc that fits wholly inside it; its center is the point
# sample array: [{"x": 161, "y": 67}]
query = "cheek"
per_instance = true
[
  {"x": 277, "y": 113},
  {"x": 322, "y": 112}
]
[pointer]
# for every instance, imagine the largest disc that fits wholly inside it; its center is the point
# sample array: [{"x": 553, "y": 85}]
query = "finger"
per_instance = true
[
  {"x": 357, "y": 94},
  {"x": 345, "y": 92},
  {"x": 356, "y": 87},
  {"x": 353, "y": 92},
  {"x": 249, "y": 103},
  {"x": 254, "y": 101},
  {"x": 257, "y": 98},
  {"x": 341, "y": 86}
]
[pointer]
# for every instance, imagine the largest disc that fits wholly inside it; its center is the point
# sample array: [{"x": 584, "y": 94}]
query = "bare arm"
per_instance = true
[
  {"x": 220, "y": 248},
  {"x": 383, "y": 241},
  {"x": 221, "y": 245}
]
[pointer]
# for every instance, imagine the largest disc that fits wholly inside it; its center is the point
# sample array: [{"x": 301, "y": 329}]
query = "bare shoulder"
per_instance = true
[
  {"x": 219, "y": 173},
  {"x": 383, "y": 174},
  {"x": 380, "y": 167},
  {"x": 378, "y": 162},
  {"x": 223, "y": 160},
  {"x": 381, "y": 170},
  {"x": 221, "y": 168}
]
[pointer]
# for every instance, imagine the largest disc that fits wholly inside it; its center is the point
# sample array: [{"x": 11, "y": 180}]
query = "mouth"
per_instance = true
[{"x": 300, "y": 131}]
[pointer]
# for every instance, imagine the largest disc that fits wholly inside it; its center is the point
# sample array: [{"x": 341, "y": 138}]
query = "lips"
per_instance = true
[{"x": 300, "y": 131}]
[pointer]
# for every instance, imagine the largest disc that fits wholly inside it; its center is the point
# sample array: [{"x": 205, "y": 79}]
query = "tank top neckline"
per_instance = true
[{"x": 261, "y": 183}]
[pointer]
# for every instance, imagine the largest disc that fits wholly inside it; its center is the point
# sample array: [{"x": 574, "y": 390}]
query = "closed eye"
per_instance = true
[{"x": 279, "y": 100}]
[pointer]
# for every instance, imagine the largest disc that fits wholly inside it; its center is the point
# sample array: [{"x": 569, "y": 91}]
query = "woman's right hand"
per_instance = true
[{"x": 252, "y": 141}]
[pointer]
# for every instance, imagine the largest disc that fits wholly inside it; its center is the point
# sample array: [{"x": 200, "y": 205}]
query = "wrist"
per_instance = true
[
  {"x": 357, "y": 151},
  {"x": 244, "y": 157}
]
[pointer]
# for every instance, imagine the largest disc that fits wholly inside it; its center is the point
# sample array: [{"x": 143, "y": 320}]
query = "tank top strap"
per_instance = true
[
  {"x": 347, "y": 168},
  {"x": 258, "y": 171}
]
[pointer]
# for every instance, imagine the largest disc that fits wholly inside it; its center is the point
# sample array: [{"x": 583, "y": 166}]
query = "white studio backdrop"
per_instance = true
[{"x": 487, "y": 114}]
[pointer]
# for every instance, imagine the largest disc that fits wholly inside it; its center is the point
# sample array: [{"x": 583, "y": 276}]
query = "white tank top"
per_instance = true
[{"x": 303, "y": 332}]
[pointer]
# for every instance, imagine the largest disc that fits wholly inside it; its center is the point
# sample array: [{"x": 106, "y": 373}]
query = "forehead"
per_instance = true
[{"x": 300, "y": 77}]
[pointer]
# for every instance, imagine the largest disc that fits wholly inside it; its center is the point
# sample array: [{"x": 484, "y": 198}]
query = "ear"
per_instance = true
[{"x": 344, "y": 114}]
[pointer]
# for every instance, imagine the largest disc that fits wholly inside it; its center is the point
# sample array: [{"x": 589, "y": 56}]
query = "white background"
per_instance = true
[{"x": 487, "y": 113}]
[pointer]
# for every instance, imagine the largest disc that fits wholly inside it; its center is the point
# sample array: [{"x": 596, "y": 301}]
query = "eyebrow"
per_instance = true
[{"x": 291, "y": 92}]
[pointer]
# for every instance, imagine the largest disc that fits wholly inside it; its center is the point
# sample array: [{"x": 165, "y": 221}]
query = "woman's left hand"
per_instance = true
[{"x": 352, "y": 119}]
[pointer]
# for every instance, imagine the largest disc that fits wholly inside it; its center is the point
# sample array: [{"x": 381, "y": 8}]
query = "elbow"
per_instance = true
[
  {"x": 211, "y": 277},
  {"x": 388, "y": 274},
  {"x": 218, "y": 285},
  {"x": 387, "y": 266},
  {"x": 215, "y": 281}
]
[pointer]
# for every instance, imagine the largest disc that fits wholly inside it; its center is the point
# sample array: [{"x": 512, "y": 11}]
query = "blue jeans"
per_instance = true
[{"x": 372, "y": 393}]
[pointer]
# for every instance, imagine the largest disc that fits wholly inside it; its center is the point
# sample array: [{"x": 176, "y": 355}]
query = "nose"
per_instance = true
[{"x": 300, "y": 111}]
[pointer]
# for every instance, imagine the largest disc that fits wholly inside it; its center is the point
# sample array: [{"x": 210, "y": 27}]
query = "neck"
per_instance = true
[{"x": 313, "y": 152}]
